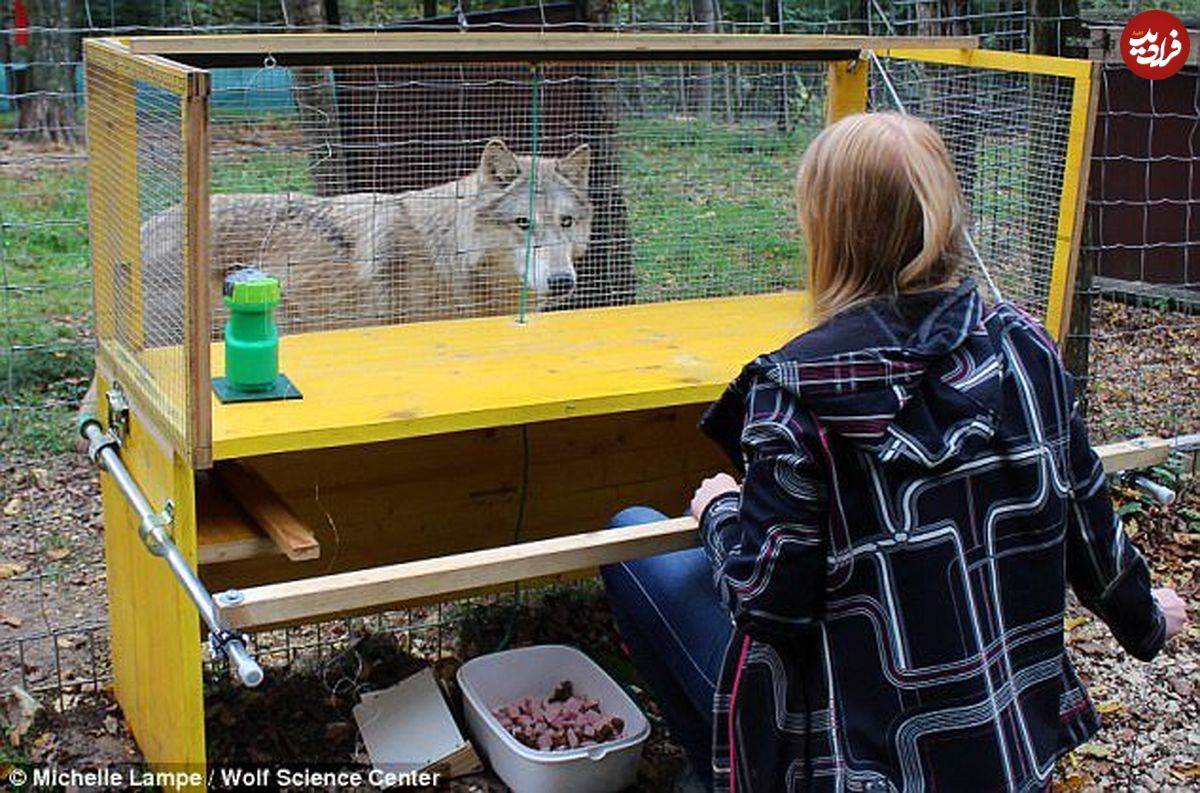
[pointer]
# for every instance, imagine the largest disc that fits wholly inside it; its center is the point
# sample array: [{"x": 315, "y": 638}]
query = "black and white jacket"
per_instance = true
[{"x": 918, "y": 491}]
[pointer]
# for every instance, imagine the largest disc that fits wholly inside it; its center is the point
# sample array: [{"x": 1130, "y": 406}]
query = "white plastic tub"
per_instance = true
[{"x": 491, "y": 681}]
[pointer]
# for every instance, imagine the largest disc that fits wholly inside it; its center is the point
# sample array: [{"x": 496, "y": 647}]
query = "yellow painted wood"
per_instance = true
[
  {"x": 992, "y": 59},
  {"x": 1072, "y": 204},
  {"x": 847, "y": 89},
  {"x": 115, "y": 56},
  {"x": 374, "y": 384},
  {"x": 154, "y": 627}
]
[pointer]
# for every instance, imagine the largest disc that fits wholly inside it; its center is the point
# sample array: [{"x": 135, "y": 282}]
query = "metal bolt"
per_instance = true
[{"x": 230, "y": 597}]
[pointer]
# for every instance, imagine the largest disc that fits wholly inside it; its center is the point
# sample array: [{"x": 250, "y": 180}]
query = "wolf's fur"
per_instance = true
[{"x": 455, "y": 249}]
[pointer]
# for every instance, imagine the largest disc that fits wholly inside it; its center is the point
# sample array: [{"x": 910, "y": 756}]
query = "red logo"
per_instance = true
[{"x": 1155, "y": 44}]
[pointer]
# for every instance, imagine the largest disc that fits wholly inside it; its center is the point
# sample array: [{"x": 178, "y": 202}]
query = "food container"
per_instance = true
[{"x": 491, "y": 681}]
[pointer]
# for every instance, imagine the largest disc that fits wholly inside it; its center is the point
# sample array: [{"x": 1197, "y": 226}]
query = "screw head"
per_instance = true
[{"x": 230, "y": 597}]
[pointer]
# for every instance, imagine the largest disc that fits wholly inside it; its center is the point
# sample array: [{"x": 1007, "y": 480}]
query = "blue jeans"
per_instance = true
[{"x": 672, "y": 620}]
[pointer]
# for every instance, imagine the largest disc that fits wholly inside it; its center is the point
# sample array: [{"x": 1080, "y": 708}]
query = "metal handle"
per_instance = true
[
  {"x": 1163, "y": 496},
  {"x": 152, "y": 526}
]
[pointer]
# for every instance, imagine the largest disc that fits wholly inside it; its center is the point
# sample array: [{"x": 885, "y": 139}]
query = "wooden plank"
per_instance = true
[
  {"x": 990, "y": 59},
  {"x": 196, "y": 186},
  {"x": 1073, "y": 204},
  {"x": 269, "y": 511},
  {"x": 848, "y": 83},
  {"x": 312, "y": 598},
  {"x": 425, "y": 47},
  {"x": 1133, "y": 454},
  {"x": 225, "y": 532},
  {"x": 371, "y": 505},
  {"x": 363, "y": 385}
]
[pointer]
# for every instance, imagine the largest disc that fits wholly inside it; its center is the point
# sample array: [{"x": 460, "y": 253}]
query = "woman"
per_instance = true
[{"x": 917, "y": 490}]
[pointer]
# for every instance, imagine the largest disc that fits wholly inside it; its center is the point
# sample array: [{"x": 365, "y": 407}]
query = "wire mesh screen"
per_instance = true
[
  {"x": 394, "y": 194},
  {"x": 1142, "y": 257},
  {"x": 1008, "y": 134},
  {"x": 137, "y": 229}
]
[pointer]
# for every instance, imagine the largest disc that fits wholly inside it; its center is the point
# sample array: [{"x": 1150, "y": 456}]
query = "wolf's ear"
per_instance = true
[
  {"x": 498, "y": 164},
  {"x": 574, "y": 167}
]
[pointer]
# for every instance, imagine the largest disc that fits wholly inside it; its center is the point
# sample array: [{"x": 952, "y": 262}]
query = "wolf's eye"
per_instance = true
[
  {"x": 567, "y": 221},
  {"x": 522, "y": 223}
]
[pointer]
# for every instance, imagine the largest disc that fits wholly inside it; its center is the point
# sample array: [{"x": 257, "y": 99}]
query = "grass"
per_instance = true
[
  {"x": 45, "y": 305},
  {"x": 710, "y": 209}
]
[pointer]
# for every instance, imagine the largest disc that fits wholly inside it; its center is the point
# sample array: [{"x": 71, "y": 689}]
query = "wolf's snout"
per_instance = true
[{"x": 560, "y": 284}]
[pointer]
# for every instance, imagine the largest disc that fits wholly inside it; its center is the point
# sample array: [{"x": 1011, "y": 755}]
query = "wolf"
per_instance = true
[
  {"x": 463, "y": 248},
  {"x": 512, "y": 230}
]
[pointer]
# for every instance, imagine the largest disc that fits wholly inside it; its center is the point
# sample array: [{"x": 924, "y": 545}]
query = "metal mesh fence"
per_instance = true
[
  {"x": 650, "y": 183},
  {"x": 1141, "y": 282},
  {"x": 1007, "y": 133}
]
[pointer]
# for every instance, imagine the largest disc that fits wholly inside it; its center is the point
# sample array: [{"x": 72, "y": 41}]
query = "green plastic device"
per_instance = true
[{"x": 252, "y": 340}]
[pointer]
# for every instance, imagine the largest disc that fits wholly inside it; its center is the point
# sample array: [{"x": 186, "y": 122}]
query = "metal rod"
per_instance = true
[{"x": 152, "y": 528}]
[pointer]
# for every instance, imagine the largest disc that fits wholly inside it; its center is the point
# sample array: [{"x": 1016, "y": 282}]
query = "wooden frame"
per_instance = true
[
  {"x": 1073, "y": 196},
  {"x": 309, "y": 599},
  {"x": 326, "y": 49}
]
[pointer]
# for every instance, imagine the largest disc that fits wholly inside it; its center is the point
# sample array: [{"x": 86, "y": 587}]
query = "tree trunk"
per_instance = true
[
  {"x": 47, "y": 112},
  {"x": 312, "y": 88}
]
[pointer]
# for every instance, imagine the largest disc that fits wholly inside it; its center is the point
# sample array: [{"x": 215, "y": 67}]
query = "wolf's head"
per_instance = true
[{"x": 535, "y": 236}]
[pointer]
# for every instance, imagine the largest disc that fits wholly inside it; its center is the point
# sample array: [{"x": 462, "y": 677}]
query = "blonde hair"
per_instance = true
[{"x": 882, "y": 210}]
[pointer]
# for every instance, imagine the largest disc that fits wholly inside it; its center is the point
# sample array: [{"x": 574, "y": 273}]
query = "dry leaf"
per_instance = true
[
  {"x": 42, "y": 477},
  {"x": 1187, "y": 772},
  {"x": 11, "y": 620},
  {"x": 13, "y": 507},
  {"x": 10, "y": 569},
  {"x": 1100, "y": 750},
  {"x": 1071, "y": 623},
  {"x": 1112, "y": 706},
  {"x": 57, "y": 554},
  {"x": 17, "y": 710}
]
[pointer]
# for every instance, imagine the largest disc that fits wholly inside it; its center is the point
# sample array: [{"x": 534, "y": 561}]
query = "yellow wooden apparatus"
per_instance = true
[{"x": 417, "y": 448}]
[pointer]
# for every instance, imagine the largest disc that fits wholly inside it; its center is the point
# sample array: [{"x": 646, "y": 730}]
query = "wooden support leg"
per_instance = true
[{"x": 155, "y": 630}]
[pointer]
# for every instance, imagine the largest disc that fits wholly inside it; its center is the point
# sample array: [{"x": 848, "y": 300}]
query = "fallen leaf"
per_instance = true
[
  {"x": 1100, "y": 750},
  {"x": 42, "y": 477},
  {"x": 57, "y": 554},
  {"x": 1112, "y": 706},
  {"x": 11, "y": 620},
  {"x": 1187, "y": 772},
  {"x": 111, "y": 725},
  {"x": 17, "y": 710},
  {"x": 13, "y": 507},
  {"x": 1071, "y": 623},
  {"x": 10, "y": 569}
]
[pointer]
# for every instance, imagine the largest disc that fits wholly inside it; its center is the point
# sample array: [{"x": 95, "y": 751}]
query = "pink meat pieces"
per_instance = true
[{"x": 561, "y": 721}]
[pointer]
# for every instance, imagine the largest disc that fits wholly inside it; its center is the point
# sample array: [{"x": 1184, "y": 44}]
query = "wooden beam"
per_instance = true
[
  {"x": 376, "y": 587},
  {"x": 310, "y": 598},
  {"x": 453, "y": 46},
  {"x": 1133, "y": 454},
  {"x": 269, "y": 511},
  {"x": 224, "y": 532}
]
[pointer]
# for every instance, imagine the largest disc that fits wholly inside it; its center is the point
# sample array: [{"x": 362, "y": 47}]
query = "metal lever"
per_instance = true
[
  {"x": 1163, "y": 496},
  {"x": 152, "y": 527}
]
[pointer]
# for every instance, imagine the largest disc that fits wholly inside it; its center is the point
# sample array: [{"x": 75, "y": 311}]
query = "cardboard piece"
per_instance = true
[{"x": 408, "y": 728}]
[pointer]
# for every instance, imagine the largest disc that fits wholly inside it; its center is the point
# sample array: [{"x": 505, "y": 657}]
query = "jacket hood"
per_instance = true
[{"x": 914, "y": 377}]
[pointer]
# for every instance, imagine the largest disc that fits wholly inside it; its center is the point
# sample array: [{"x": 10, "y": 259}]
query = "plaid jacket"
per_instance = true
[{"x": 918, "y": 490}]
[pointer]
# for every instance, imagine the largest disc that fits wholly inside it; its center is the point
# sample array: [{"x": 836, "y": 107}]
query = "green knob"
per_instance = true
[{"x": 251, "y": 337}]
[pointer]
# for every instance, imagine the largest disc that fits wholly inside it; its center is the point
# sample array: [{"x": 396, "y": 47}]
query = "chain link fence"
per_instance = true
[{"x": 1135, "y": 342}]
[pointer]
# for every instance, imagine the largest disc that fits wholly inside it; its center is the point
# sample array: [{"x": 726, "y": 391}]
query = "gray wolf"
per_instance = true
[
  {"x": 463, "y": 248},
  {"x": 475, "y": 246}
]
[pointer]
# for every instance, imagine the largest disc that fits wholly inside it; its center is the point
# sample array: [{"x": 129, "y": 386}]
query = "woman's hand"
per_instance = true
[
  {"x": 711, "y": 488},
  {"x": 1173, "y": 609}
]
